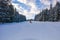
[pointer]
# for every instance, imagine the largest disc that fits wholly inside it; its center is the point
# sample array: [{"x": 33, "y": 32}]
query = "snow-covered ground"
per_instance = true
[{"x": 30, "y": 31}]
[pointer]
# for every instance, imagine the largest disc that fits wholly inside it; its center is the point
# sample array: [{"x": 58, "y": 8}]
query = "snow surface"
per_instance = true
[{"x": 30, "y": 31}]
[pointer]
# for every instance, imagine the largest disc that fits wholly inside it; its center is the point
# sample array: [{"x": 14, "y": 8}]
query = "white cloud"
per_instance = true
[
  {"x": 45, "y": 2},
  {"x": 22, "y": 1},
  {"x": 33, "y": 10},
  {"x": 48, "y": 2},
  {"x": 29, "y": 14}
]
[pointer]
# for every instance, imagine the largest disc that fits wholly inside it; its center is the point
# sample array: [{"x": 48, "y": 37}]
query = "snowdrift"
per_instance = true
[{"x": 30, "y": 31}]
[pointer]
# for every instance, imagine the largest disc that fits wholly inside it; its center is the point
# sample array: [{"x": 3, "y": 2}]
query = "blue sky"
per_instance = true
[{"x": 30, "y": 8}]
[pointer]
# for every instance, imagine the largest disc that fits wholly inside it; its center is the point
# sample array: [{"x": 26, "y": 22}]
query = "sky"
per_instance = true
[{"x": 30, "y": 8}]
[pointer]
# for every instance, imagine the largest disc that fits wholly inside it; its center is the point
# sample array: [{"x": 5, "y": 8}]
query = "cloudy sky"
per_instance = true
[{"x": 30, "y": 8}]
